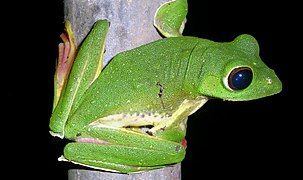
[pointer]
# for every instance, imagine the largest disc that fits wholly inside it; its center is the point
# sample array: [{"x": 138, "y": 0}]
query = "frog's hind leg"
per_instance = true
[
  {"x": 122, "y": 150},
  {"x": 116, "y": 158}
]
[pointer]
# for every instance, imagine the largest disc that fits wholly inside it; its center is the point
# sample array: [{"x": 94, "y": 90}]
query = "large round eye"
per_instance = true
[{"x": 240, "y": 78}]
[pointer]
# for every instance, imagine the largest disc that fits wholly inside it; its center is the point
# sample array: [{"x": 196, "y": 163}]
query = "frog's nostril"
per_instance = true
[
  {"x": 268, "y": 80},
  {"x": 274, "y": 85}
]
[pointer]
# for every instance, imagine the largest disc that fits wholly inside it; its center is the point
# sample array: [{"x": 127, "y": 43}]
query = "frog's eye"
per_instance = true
[{"x": 239, "y": 78}]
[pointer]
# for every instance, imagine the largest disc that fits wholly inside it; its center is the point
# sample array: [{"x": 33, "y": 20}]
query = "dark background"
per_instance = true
[{"x": 225, "y": 139}]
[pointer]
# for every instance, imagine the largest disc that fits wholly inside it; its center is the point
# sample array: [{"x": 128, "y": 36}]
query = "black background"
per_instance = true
[{"x": 225, "y": 139}]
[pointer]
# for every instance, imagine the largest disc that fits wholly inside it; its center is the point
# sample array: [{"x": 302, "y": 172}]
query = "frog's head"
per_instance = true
[{"x": 234, "y": 71}]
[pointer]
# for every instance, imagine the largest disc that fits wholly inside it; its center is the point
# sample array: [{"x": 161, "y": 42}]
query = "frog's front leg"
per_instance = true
[
  {"x": 122, "y": 150},
  {"x": 175, "y": 127}
]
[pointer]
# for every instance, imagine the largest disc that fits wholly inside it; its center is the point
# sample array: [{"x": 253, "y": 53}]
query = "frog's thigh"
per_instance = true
[{"x": 117, "y": 157}]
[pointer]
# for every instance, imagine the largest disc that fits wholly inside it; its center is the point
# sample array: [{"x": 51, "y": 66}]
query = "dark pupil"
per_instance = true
[{"x": 240, "y": 78}]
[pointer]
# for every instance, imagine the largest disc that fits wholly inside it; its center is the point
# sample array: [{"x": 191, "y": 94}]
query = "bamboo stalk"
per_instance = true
[{"x": 131, "y": 25}]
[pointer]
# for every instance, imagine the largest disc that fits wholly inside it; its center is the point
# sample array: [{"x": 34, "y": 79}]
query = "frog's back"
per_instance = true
[{"x": 136, "y": 73}]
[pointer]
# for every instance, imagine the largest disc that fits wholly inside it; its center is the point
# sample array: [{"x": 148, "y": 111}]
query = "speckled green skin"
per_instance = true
[
  {"x": 132, "y": 78},
  {"x": 170, "y": 18},
  {"x": 178, "y": 68}
]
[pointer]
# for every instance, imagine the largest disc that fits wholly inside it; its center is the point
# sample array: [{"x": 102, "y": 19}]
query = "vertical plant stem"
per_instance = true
[{"x": 131, "y": 25}]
